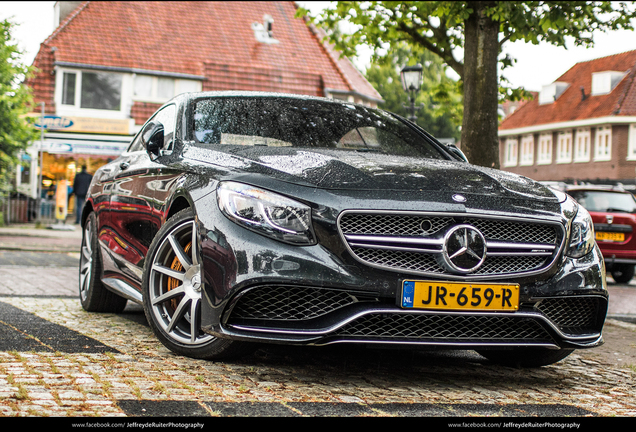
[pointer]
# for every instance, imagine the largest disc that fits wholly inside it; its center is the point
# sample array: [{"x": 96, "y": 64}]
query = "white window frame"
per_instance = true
[
  {"x": 75, "y": 110},
  {"x": 544, "y": 156},
  {"x": 564, "y": 148},
  {"x": 527, "y": 150},
  {"x": 180, "y": 86},
  {"x": 603, "y": 143},
  {"x": 582, "y": 145},
  {"x": 512, "y": 146},
  {"x": 631, "y": 142}
]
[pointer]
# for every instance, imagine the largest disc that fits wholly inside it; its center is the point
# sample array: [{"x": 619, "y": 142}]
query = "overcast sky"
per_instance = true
[{"x": 537, "y": 65}]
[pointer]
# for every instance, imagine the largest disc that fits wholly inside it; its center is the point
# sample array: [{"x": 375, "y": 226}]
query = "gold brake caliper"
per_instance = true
[{"x": 172, "y": 282}]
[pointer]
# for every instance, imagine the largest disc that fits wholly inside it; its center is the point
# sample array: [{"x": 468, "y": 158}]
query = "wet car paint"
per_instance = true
[{"x": 329, "y": 181}]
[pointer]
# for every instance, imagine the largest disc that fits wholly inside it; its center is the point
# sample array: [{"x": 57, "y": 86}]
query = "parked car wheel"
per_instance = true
[
  {"x": 172, "y": 287},
  {"x": 93, "y": 294},
  {"x": 622, "y": 273},
  {"x": 526, "y": 357}
]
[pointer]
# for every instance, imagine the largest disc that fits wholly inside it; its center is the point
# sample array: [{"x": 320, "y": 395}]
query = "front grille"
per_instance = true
[
  {"x": 446, "y": 328},
  {"x": 572, "y": 315},
  {"x": 389, "y": 224},
  {"x": 289, "y": 303},
  {"x": 414, "y": 242},
  {"x": 426, "y": 263}
]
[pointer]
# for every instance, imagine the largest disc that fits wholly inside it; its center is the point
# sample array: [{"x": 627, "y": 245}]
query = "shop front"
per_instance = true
[{"x": 67, "y": 145}]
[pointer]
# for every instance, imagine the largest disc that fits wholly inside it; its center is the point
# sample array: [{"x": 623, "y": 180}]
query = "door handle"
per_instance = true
[{"x": 124, "y": 165}]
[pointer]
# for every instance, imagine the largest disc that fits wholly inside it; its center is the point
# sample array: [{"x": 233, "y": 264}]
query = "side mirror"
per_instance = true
[
  {"x": 456, "y": 151},
  {"x": 152, "y": 138}
]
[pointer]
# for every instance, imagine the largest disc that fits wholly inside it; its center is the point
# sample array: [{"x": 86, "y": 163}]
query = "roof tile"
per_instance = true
[
  {"x": 570, "y": 105},
  {"x": 188, "y": 37}
]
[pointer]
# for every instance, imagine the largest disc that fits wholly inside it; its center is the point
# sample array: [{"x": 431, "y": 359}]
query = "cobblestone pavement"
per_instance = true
[{"x": 135, "y": 375}]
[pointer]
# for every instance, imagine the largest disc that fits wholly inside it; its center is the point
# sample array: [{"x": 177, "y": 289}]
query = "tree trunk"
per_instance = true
[{"x": 479, "y": 127}]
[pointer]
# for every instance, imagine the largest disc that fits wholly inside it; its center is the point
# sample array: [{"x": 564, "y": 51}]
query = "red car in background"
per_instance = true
[{"x": 613, "y": 212}]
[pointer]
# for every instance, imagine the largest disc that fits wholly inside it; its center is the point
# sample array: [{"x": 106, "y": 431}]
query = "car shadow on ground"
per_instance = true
[
  {"x": 302, "y": 355},
  {"x": 618, "y": 351}
]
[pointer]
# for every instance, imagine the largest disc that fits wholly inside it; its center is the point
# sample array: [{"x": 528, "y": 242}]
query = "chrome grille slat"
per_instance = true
[{"x": 413, "y": 243}]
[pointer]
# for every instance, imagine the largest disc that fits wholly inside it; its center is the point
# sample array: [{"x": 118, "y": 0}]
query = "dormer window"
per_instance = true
[
  {"x": 263, "y": 32},
  {"x": 551, "y": 92},
  {"x": 604, "y": 82}
]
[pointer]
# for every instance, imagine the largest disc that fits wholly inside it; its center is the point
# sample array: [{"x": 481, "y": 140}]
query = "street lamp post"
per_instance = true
[{"x": 411, "y": 82}]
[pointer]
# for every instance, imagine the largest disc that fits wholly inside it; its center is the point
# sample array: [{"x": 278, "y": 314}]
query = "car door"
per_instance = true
[{"x": 133, "y": 221}]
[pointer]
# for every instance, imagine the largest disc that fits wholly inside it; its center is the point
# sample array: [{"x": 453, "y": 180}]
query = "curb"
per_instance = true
[
  {"x": 34, "y": 249},
  {"x": 624, "y": 321}
]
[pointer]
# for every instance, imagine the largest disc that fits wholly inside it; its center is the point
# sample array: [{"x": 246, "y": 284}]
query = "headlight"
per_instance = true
[
  {"x": 266, "y": 213},
  {"x": 581, "y": 235}
]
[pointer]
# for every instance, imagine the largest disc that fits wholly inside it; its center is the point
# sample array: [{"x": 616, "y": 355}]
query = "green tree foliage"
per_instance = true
[
  {"x": 439, "y": 99},
  {"x": 480, "y": 28},
  {"x": 15, "y": 100}
]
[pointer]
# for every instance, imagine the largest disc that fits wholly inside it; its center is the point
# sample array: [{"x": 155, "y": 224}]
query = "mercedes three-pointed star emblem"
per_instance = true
[{"x": 464, "y": 249}]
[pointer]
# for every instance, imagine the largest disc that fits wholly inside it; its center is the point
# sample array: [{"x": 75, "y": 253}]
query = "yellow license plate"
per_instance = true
[
  {"x": 610, "y": 236},
  {"x": 460, "y": 296}
]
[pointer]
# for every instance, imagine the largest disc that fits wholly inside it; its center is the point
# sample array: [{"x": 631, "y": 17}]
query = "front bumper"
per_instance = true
[{"x": 264, "y": 291}]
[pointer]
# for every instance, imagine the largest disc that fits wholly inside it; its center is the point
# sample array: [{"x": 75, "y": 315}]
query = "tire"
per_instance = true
[
  {"x": 94, "y": 296},
  {"x": 172, "y": 286},
  {"x": 622, "y": 273},
  {"x": 526, "y": 357}
]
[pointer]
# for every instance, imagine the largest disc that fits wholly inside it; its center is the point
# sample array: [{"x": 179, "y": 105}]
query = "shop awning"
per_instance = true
[{"x": 85, "y": 144}]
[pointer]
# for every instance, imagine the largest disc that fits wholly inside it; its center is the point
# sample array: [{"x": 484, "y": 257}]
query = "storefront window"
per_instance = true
[{"x": 58, "y": 168}]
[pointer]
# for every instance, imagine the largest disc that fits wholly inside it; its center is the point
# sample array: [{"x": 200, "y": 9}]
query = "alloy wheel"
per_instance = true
[
  {"x": 175, "y": 286},
  {"x": 86, "y": 262}
]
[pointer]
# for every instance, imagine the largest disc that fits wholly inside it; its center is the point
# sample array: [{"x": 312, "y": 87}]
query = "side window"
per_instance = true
[
  {"x": 167, "y": 117},
  {"x": 136, "y": 145}
]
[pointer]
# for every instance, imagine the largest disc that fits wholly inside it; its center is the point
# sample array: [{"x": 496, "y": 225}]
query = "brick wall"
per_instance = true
[{"x": 618, "y": 168}]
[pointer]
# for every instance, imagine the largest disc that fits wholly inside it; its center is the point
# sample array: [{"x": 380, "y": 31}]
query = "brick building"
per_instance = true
[
  {"x": 109, "y": 65},
  {"x": 582, "y": 127}
]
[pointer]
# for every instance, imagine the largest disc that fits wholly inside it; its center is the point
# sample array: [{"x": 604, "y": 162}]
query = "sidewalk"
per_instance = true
[{"x": 27, "y": 237}]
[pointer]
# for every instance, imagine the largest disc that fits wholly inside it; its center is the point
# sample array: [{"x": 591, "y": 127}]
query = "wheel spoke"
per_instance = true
[
  {"x": 179, "y": 252},
  {"x": 193, "y": 248},
  {"x": 85, "y": 277},
  {"x": 179, "y": 313},
  {"x": 194, "y": 320},
  {"x": 86, "y": 265},
  {"x": 169, "y": 272},
  {"x": 86, "y": 252},
  {"x": 169, "y": 295}
]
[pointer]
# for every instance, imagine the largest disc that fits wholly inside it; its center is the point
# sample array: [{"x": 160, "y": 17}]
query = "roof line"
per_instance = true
[
  {"x": 545, "y": 127},
  {"x": 129, "y": 69},
  {"x": 66, "y": 21},
  {"x": 317, "y": 33},
  {"x": 352, "y": 92}
]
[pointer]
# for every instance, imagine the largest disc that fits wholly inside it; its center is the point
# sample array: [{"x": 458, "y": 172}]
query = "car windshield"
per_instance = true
[
  {"x": 602, "y": 201},
  {"x": 287, "y": 122}
]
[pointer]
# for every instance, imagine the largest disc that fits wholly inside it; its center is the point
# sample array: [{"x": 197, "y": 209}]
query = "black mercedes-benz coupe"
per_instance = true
[{"x": 239, "y": 217}]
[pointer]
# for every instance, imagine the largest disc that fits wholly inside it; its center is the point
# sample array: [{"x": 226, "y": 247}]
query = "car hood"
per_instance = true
[{"x": 351, "y": 170}]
